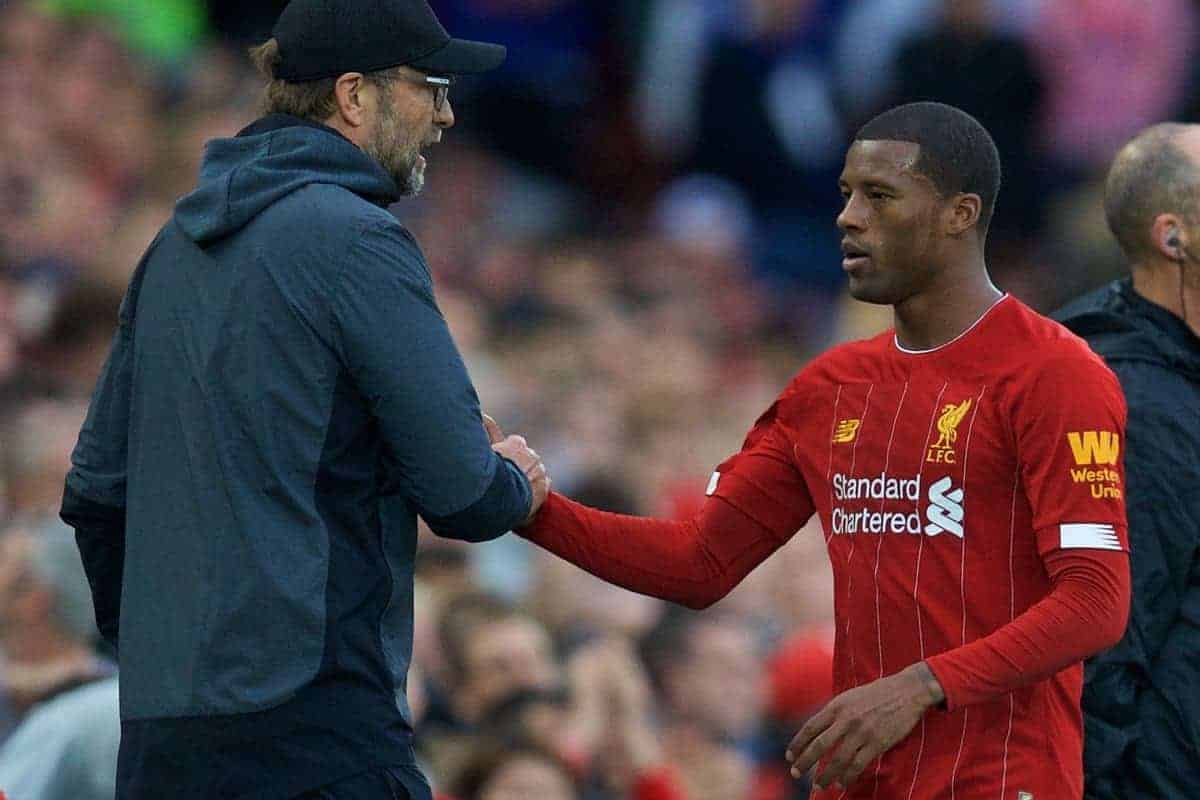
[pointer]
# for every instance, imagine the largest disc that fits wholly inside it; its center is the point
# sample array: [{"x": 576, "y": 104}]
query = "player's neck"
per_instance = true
[
  {"x": 943, "y": 312},
  {"x": 1163, "y": 285}
]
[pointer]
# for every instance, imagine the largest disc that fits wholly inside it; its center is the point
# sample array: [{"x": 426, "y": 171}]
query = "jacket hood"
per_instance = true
[
  {"x": 277, "y": 155},
  {"x": 1121, "y": 324}
]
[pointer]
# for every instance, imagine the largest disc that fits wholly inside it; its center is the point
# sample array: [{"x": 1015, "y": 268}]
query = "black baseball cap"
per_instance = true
[{"x": 326, "y": 38}]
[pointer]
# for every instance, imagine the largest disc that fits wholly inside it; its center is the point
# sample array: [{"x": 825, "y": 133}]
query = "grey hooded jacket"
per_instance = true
[{"x": 282, "y": 399}]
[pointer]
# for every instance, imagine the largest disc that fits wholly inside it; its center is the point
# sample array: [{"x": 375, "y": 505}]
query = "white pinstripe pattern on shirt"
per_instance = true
[
  {"x": 962, "y": 581},
  {"x": 1012, "y": 613},
  {"x": 937, "y": 403}
]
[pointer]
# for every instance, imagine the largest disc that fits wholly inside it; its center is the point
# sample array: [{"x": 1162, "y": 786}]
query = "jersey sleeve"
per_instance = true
[
  {"x": 757, "y": 501},
  {"x": 1070, "y": 432},
  {"x": 1084, "y": 613},
  {"x": 763, "y": 481}
]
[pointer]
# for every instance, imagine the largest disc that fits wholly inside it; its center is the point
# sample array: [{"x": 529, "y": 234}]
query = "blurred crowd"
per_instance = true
[{"x": 632, "y": 233}]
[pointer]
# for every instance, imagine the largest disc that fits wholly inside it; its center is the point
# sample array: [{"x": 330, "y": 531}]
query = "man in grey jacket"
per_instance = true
[{"x": 282, "y": 400}]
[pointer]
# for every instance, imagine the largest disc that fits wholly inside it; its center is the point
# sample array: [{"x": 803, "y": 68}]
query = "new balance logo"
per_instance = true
[
  {"x": 1094, "y": 447},
  {"x": 945, "y": 511},
  {"x": 846, "y": 430}
]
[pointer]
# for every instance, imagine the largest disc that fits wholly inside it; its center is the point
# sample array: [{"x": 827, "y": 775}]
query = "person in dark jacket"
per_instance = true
[
  {"x": 1140, "y": 700},
  {"x": 282, "y": 400}
]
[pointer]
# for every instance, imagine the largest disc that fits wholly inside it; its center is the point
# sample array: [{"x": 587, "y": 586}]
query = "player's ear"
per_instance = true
[{"x": 962, "y": 213}]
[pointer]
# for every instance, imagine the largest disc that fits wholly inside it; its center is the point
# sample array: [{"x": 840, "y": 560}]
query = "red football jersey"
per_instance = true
[{"x": 942, "y": 478}]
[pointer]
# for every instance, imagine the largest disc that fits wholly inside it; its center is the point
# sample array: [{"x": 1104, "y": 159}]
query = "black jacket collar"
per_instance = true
[{"x": 1121, "y": 324}]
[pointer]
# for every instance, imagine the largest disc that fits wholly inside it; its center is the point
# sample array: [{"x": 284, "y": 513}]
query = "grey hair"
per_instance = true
[{"x": 55, "y": 562}]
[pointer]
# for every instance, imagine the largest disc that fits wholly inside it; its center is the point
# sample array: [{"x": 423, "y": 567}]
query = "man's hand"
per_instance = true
[
  {"x": 862, "y": 724},
  {"x": 516, "y": 450}
]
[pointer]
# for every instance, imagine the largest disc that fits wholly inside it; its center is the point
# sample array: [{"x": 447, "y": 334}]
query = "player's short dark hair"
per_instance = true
[
  {"x": 1149, "y": 176},
  {"x": 957, "y": 152}
]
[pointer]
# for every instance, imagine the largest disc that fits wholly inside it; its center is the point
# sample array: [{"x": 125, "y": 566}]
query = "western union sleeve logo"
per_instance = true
[
  {"x": 1095, "y": 455},
  {"x": 1094, "y": 447},
  {"x": 846, "y": 430}
]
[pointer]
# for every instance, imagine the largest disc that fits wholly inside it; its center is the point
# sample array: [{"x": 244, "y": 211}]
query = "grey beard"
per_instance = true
[
  {"x": 410, "y": 185},
  {"x": 407, "y": 173}
]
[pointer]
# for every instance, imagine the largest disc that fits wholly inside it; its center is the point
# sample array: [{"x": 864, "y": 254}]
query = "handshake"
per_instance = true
[{"x": 518, "y": 451}]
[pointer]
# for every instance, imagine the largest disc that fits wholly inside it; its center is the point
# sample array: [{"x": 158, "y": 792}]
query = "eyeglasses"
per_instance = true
[
  {"x": 441, "y": 90},
  {"x": 441, "y": 87}
]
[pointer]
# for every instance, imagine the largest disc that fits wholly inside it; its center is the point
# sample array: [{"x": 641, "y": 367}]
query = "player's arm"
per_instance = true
[
  {"x": 756, "y": 502},
  {"x": 94, "y": 494},
  {"x": 1084, "y": 613},
  {"x": 1070, "y": 430}
]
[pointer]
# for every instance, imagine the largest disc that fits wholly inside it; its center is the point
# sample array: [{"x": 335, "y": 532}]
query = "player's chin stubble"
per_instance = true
[{"x": 870, "y": 289}]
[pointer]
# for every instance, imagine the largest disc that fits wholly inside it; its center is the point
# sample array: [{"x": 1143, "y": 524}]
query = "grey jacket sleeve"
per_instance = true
[{"x": 400, "y": 354}]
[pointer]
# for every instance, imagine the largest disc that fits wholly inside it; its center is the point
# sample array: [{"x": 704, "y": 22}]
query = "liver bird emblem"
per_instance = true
[{"x": 948, "y": 422}]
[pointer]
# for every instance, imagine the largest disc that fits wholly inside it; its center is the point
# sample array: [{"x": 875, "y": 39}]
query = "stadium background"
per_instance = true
[{"x": 632, "y": 231}]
